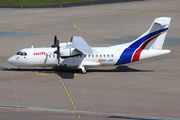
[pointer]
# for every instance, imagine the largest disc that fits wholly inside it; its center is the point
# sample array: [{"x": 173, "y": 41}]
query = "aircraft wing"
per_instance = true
[{"x": 80, "y": 45}]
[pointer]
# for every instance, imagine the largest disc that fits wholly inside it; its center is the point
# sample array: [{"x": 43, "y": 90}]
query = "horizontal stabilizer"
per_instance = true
[{"x": 80, "y": 45}]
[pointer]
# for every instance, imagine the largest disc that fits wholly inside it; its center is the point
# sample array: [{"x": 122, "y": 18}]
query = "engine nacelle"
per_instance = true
[{"x": 64, "y": 45}]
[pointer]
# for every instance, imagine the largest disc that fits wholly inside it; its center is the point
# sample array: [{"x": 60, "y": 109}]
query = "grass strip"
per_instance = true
[{"x": 38, "y": 2}]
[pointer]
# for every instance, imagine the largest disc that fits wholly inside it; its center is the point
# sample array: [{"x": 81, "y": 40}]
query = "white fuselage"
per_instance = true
[{"x": 45, "y": 57}]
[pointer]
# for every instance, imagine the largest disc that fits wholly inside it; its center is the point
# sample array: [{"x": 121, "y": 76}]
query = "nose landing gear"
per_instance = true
[{"x": 19, "y": 68}]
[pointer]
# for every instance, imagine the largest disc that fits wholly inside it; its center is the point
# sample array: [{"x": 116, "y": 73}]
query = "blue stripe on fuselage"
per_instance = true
[{"x": 128, "y": 52}]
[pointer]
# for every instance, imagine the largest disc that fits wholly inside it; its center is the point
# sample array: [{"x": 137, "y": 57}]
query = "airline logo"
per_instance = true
[{"x": 39, "y": 53}]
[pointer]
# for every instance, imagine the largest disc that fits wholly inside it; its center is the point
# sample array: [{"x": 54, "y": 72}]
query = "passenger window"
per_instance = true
[
  {"x": 92, "y": 55},
  {"x": 104, "y": 55},
  {"x": 84, "y": 55},
  {"x": 49, "y": 56},
  {"x": 100, "y": 55},
  {"x": 96, "y": 55},
  {"x": 111, "y": 55},
  {"x": 107, "y": 55},
  {"x": 53, "y": 56},
  {"x": 89, "y": 55}
]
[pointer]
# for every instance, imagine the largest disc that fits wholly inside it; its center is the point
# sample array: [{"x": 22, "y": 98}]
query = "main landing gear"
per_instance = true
[{"x": 82, "y": 68}]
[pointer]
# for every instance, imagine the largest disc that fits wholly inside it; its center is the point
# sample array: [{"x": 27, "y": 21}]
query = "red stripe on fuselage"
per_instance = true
[{"x": 137, "y": 53}]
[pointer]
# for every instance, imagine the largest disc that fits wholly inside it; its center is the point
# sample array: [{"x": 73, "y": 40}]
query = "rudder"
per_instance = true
[{"x": 161, "y": 23}]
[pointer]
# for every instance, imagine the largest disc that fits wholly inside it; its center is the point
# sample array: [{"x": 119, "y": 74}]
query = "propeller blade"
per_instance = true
[
  {"x": 55, "y": 39},
  {"x": 58, "y": 52},
  {"x": 58, "y": 55},
  {"x": 55, "y": 42}
]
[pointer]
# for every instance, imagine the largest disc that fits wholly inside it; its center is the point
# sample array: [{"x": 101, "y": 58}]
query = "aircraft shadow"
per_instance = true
[
  {"x": 123, "y": 68},
  {"x": 68, "y": 73},
  {"x": 135, "y": 117}
]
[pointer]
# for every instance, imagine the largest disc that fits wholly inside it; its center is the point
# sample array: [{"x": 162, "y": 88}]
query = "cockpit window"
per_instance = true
[
  {"x": 21, "y": 53},
  {"x": 18, "y": 53}
]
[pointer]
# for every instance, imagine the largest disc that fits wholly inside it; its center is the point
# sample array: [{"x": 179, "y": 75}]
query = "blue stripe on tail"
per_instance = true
[{"x": 127, "y": 54}]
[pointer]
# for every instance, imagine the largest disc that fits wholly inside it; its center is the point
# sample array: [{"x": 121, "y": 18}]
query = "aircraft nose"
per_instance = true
[{"x": 10, "y": 61}]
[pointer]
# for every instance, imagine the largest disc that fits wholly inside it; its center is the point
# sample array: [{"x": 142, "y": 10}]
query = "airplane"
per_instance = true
[{"x": 78, "y": 54}]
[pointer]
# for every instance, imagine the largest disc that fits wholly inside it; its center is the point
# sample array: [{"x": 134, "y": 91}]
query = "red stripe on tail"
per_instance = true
[{"x": 137, "y": 53}]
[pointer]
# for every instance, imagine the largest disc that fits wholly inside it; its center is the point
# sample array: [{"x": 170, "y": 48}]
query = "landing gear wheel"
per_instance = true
[{"x": 83, "y": 71}]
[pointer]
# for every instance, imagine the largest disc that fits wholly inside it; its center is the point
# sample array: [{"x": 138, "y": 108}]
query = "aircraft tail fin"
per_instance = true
[
  {"x": 151, "y": 41},
  {"x": 154, "y": 37}
]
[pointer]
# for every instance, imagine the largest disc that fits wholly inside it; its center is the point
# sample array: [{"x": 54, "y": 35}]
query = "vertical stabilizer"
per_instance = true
[{"x": 153, "y": 39}]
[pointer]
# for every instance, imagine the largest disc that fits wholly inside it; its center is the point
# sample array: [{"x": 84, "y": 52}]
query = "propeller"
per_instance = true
[
  {"x": 58, "y": 53},
  {"x": 56, "y": 44}
]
